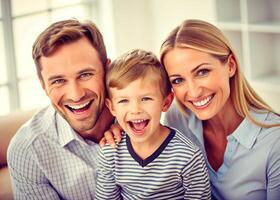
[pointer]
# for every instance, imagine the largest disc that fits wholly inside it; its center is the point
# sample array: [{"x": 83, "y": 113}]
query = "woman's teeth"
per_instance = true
[{"x": 202, "y": 102}]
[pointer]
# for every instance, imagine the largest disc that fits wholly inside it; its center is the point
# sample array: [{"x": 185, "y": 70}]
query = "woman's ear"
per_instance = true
[
  {"x": 167, "y": 101},
  {"x": 231, "y": 65},
  {"x": 110, "y": 106}
]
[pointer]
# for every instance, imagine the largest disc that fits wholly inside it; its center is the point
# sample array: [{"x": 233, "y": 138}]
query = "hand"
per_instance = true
[{"x": 113, "y": 136}]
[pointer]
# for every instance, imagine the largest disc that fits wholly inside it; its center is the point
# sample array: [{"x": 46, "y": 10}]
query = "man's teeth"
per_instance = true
[
  {"x": 79, "y": 106},
  {"x": 202, "y": 102}
]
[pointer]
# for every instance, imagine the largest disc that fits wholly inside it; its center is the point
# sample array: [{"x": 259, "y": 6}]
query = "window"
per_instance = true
[{"x": 20, "y": 24}]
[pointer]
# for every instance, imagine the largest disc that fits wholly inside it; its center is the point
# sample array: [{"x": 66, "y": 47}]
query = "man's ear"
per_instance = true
[
  {"x": 108, "y": 63},
  {"x": 231, "y": 65},
  {"x": 167, "y": 101},
  {"x": 109, "y": 105},
  {"x": 43, "y": 85}
]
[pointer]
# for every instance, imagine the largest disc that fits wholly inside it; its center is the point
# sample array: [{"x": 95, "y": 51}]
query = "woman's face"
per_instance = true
[{"x": 199, "y": 80}]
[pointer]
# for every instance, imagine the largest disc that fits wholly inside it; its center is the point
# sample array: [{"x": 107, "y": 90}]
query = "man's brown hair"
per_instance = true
[{"x": 65, "y": 32}]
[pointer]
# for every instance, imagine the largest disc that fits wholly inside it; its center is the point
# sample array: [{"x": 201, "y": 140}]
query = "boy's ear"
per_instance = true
[
  {"x": 109, "y": 105},
  {"x": 167, "y": 101}
]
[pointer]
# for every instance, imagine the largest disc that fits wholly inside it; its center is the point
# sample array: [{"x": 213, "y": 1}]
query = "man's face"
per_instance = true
[{"x": 73, "y": 79}]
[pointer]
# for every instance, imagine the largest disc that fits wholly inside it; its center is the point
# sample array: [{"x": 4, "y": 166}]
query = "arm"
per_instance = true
[
  {"x": 113, "y": 136},
  {"x": 195, "y": 178},
  {"x": 28, "y": 181},
  {"x": 106, "y": 187},
  {"x": 273, "y": 171}
]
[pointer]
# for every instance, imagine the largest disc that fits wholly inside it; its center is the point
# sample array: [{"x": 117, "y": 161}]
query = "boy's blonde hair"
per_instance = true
[{"x": 133, "y": 65}]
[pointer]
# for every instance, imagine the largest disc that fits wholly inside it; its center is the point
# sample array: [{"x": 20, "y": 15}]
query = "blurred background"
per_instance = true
[{"x": 252, "y": 26}]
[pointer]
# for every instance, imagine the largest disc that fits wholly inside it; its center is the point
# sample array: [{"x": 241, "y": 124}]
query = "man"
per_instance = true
[{"x": 54, "y": 155}]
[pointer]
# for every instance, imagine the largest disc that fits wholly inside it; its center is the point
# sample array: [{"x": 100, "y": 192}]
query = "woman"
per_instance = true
[{"x": 237, "y": 131}]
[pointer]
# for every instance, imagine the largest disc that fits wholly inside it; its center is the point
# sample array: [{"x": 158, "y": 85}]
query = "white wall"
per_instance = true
[
  {"x": 168, "y": 14},
  {"x": 145, "y": 23}
]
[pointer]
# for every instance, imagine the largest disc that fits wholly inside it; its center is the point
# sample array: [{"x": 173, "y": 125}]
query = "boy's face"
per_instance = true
[{"x": 138, "y": 108}]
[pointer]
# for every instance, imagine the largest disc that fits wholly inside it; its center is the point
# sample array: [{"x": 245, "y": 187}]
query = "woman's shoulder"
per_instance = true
[{"x": 175, "y": 115}]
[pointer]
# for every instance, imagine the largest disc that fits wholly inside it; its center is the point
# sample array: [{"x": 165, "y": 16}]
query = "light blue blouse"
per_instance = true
[{"x": 251, "y": 167}]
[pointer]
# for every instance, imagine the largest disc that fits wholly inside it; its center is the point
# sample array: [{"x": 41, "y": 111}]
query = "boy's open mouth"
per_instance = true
[{"x": 138, "y": 125}]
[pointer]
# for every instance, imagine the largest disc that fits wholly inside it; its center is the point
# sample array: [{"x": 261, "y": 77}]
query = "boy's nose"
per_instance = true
[{"x": 135, "y": 108}]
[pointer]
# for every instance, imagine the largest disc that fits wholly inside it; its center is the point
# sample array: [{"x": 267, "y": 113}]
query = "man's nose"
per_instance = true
[{"x": 75, "y": 91}]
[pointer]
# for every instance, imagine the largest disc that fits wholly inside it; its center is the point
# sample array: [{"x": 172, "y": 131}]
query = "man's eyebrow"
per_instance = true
[
  {"x": 55, "y": 77},
  {"x": 86, "y": 70}
]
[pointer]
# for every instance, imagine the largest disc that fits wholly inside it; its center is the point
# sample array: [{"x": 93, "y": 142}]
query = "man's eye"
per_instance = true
[
  {"x": 146, "y": 99},
  {"x": 176, "y": 81},
  {"x": 202, "y": 72},
  {"x": 86, "y": 75},
  {"x": 58, "y": 82},
  {"x": 122, "y": 101}
]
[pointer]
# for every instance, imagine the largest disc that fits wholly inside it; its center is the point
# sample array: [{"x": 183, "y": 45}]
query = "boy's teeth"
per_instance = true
[
  {"x": 78, "y": 106},
  {"x": 137, "y": 121},
  {"x": 202, "y": 102}
]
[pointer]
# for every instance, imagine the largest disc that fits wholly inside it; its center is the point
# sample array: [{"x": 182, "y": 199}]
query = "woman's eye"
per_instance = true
[
  {"x": 202, "y": 72},
  {"x": 176, "y": 81}
]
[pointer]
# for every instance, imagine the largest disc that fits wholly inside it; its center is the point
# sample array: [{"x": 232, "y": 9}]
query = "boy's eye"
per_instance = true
[
  {"x": 122, "y": 101},
  {"x": 176, "y": 81},
  {"x": 202, "y": 72},
  {"x": 58, "y": 82},
  {"x": 146, "y": 99}
]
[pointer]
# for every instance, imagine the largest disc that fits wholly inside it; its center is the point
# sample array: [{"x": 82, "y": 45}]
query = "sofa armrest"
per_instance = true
[{"x": 9, "y": 124}]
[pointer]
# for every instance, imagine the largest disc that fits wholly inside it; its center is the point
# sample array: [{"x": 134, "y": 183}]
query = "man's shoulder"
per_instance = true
[{"x": 37, "y": 126}]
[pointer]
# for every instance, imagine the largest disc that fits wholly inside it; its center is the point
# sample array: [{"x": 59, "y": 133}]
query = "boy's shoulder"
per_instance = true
[
  {"x": 180, "y": 141},
  {"x": 107, "y": 149}
]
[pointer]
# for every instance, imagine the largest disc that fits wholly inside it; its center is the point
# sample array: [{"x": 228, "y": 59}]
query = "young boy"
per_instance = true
[{"x": 152, "y": 161}]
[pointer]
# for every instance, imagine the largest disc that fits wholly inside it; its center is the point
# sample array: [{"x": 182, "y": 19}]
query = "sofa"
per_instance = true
[{"x": 9, "y": 124}]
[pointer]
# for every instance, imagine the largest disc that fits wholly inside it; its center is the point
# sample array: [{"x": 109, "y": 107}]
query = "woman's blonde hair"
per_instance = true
[{"x": 205, "y": 37}]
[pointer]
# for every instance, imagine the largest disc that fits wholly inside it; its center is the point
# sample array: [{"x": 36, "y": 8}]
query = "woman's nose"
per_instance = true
[{"x": 194, "y": 89}]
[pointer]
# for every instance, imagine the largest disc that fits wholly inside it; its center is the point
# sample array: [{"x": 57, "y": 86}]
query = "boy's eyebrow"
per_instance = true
[{"x": 193, "y": 70}]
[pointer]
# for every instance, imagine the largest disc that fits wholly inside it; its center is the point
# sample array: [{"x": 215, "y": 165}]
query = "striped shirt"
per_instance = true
[
  {"x": 176, "y": 170},
  {"x": 48, "y": 160}
]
